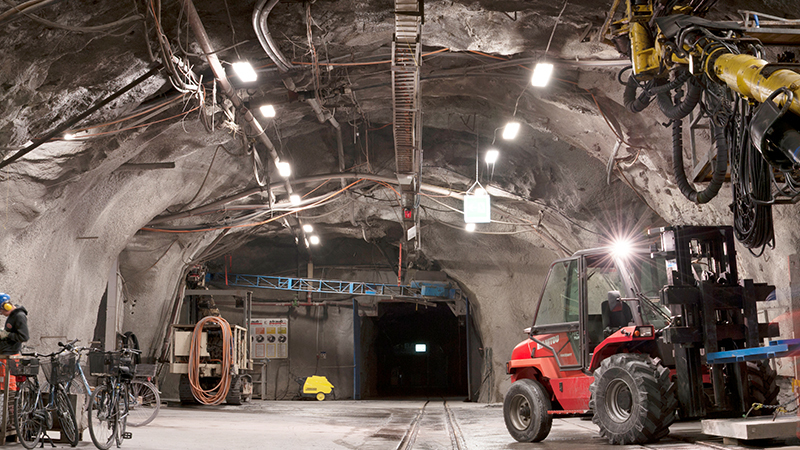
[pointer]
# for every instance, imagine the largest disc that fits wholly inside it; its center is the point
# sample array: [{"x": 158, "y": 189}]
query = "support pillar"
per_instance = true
[
  {"x": 112, "y": 308},
  {"x": 356, "y": 352}
]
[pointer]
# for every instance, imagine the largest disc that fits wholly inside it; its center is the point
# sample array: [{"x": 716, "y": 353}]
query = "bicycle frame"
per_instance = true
[{"x": 57, "y": 404}]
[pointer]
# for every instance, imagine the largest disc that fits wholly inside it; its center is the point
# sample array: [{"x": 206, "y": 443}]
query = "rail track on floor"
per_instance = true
[{"x": 435, "y": 417}]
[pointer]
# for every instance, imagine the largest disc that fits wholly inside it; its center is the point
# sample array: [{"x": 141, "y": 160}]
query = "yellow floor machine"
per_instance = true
[{"x": 315, "y": 387}]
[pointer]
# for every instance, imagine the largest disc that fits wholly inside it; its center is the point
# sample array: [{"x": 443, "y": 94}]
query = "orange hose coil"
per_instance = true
[{"x": 217, "y": 394}]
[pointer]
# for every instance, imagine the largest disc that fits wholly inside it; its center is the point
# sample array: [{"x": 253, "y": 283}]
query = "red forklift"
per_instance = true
[{"x": 623, "y": 336}]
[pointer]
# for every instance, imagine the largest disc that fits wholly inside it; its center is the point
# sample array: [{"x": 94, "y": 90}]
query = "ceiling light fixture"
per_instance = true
[
  {"x": 308, "y": 228},
  {"x": 314, "y": 240},
  {"x": 244, "y": 71},
  {"x": 284, "y": 169},
  {"x": 541, "y": 74},
  {"x": 510, "y": 131},
  {"x": 491, "y": 156},
  {"x": 267, "y": 110},
  {"x": 295, "y": 199},
  {"x": 470, "y": 227}
]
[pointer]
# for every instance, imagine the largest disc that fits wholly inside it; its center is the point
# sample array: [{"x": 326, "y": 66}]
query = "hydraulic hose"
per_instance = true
[
  {"x": 633, "y": 103},
  {"x": 681, "y": 109},
  {"x": 720, "y": 168},
  {"x": 216, "y": 394},
  {"x": 636, "y": 104}
]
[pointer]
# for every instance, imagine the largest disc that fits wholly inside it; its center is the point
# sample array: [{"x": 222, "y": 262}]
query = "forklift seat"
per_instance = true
[{"x": 616, "y": 314}]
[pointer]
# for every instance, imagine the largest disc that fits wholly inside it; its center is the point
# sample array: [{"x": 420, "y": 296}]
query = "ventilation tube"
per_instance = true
[
  {"x": 720, "y": 168},
  {"x": 260, "y": 15},
  {"x": 677, "y": 111}
]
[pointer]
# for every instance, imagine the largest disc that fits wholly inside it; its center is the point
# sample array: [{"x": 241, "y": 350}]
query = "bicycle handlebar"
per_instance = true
[{"x": 70, "y": 346}]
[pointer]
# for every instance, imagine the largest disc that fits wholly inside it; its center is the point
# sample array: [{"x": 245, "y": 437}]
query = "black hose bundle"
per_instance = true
[
  {"x": 680, "y": 109},
  {"x": 720, "y": 168},
  {"x": 750, "y": 182},
  {"x": 633, "y": 103},
  {"x": 636, "y": 104}
]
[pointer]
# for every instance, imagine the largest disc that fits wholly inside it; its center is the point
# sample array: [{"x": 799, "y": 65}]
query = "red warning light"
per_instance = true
[{"x": 408, "y": 213}]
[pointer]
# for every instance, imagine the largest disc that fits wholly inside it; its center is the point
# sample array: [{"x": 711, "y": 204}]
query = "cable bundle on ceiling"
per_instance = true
[{"x": 216, "y": 394}]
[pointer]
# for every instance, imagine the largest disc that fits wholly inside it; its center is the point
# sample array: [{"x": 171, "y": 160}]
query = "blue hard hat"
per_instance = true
[{"x": 4, "y": 298}]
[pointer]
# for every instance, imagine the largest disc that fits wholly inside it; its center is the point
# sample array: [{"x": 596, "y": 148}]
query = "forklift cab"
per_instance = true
[{"x": 589, "y": 296}]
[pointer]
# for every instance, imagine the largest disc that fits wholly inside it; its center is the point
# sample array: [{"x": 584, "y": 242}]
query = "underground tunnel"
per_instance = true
[{"x": 408, "y": 210}]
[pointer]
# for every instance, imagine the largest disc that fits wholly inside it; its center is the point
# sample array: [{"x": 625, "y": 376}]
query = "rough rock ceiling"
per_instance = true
[{"x": 71, "y": 207}]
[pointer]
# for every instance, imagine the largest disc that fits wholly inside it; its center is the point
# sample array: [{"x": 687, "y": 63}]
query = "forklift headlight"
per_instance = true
[{"x": 643, "y": 332}]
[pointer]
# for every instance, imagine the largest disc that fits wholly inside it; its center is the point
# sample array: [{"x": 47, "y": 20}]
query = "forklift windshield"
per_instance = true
[{"x": 646, "y": 276}]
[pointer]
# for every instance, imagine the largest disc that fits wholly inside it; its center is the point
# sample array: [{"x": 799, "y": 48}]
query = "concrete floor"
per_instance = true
[{"x": 369, "y": 425}]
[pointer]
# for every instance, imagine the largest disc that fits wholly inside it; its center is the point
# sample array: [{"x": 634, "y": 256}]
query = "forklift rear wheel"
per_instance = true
[
  {"x": 633, "y": 399},
  {"x": 320, "y": 396},
  {"x": 525, "y": 411}
]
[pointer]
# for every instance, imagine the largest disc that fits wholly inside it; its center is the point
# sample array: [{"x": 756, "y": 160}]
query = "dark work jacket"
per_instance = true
[{"x": 17, "y": 327}]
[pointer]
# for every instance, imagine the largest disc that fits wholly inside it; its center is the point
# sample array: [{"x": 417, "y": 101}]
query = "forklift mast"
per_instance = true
[{"x": 713, "y": 311}]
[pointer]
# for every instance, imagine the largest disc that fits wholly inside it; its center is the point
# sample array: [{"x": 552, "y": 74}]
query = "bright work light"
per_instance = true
[
  {"x": 510, "y": 131},
  {"x": 314, "y": 240},
  {"x": 470, "y": 227},
  {"x": 308, "y": 228},
  {"x": 541, "y": 74},
  {"x": 621, "y": 248},
  {"x": 267, "y": 110},
  {"x": 284, "y": 169},
  {"x": 492, "y": 155},
  {"x": 295, "y": 199},
  {"x": 245, "y": 71}
]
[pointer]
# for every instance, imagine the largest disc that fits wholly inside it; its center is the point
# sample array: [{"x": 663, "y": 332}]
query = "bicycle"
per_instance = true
[
  {"x": 32, "y": 416},
  {"x": 109, "y": 403},
  {"x": 144, "y": 400}
]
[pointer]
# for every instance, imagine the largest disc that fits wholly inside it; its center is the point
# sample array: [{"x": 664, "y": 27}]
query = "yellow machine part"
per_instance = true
[
  {"x": 742, "y": 73},
  {"x": 318, "y": 386}
]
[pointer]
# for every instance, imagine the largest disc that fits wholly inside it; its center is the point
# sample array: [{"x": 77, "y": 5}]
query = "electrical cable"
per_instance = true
[
  {"x": 216, "y": 394},
  {"x": 750, "y": 184}
]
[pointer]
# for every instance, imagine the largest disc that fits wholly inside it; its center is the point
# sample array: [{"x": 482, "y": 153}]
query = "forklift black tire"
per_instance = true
[
  {"x": 633, "y": 399},
  {"x": 525, "y": 411},
  {"x": 761, "y": 380}
]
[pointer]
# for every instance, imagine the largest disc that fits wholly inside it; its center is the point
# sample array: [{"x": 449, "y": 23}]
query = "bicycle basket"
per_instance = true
[
  {"x": 66, "y": 367},
  {"x": 101, "y": 363},
  {"x": 104, "y": 364},
  {"x": 145, "y": 370},
  {"x": 60, "y": 369},
  {"x": 25, "y": 367}
]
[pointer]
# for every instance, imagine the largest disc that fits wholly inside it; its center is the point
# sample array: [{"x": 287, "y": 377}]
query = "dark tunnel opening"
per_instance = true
[{"x": 420, "y": 351}]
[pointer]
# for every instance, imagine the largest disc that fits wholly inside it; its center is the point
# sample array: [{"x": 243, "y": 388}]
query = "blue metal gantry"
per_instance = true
[{"x": 416, "y": 290}]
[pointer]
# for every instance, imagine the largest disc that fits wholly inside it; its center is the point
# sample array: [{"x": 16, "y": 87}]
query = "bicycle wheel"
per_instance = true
[
  {"x": 144, "y": 403},
  {"x": 122, "y": 412},
  {"x": 66, "y": 415},
  {"x": 103, "y": 413},
  {"x": 76, "y": 386},
  {"x": 28, "y": 414}
]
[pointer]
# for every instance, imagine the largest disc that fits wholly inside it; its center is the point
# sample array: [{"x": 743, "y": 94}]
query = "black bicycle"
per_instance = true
[
  {"x": 33, "y": 415},
  {"x": 109, "y": 404}
]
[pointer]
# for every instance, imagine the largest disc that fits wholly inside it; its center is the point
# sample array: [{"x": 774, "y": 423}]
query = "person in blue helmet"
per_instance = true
[{"x": 15, "y": 331}]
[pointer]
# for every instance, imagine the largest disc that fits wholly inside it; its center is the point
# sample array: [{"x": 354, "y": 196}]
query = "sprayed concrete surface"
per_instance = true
[{"x": 373, "y": 425}]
